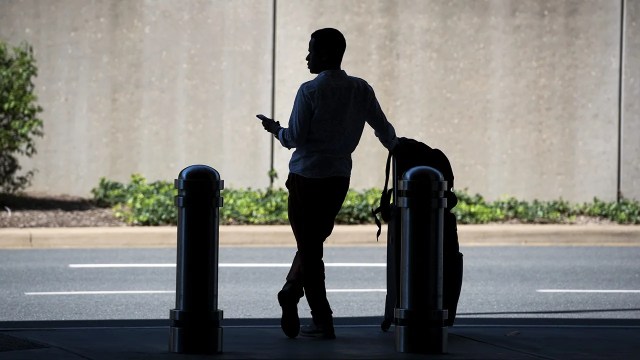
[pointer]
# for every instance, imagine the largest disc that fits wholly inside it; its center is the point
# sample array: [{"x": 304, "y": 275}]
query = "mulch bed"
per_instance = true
[{"x": 25, "y": 211}]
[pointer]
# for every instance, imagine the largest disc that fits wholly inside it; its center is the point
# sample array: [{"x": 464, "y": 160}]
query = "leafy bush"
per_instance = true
[
  {"x": 357, "y": 206},
  {"x": 476, "y": 210},
  {"x": 142, "y": 203},
  {"x": 19, "y": 121},
  {"x": 109, "y": 193},
  {"x": 139, "y": 202},
  {"x": 624, "y": 212},
  {"x": 254, "y": 207},
  {"x": 538, "y": 212}
]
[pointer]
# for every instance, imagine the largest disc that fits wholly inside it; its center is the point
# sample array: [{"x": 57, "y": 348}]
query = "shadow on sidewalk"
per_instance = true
[{"x": 472, "y": 337}]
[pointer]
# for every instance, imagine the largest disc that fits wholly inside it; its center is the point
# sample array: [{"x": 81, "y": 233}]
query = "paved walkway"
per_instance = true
[{"x": 358, "y": 338}]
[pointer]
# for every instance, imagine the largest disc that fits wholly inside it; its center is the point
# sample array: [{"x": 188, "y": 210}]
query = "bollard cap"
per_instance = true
[
  {"x": 199, "y": 186},
  {"x": 422, "y": 186},
  {"x": 199, "y": 172},
  {"x": 199, "y": 178},
  {"x": 422, "y": 180},
  {"x": 423, "y": 173}
]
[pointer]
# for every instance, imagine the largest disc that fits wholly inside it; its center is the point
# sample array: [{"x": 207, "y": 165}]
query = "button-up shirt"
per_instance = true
[{"x": 327, "y": 121}]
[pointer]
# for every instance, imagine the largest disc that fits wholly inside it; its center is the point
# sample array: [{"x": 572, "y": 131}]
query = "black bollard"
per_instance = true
[
  {"x": 195, "y": 322},
  {"x": 420, "y": 317}
]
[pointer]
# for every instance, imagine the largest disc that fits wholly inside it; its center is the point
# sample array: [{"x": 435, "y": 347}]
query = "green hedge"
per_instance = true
[
  {"x": 476, "y": 210},
  {"x": 142, "y": 203}
]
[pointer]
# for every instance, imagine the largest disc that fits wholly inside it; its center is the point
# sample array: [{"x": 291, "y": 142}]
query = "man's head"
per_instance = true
[{"x": 326, "y": 49}]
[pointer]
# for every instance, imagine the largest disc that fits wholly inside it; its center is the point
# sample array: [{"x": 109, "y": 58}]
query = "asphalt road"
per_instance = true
[{"x": 501, "y": 282}]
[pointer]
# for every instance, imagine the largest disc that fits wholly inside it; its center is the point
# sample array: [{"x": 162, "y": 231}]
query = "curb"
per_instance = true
[
  {"x": 549, "y": 235},
  {"x": 343, "y": 235}
]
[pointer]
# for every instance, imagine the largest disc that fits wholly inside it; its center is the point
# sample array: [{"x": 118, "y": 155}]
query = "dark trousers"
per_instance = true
[{"x": 313, "y": 206}]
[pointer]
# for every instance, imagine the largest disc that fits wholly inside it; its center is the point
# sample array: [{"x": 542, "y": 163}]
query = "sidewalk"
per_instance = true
[
  {"x": 358, "y": 338},
  {"x": 343, "y": 235}
]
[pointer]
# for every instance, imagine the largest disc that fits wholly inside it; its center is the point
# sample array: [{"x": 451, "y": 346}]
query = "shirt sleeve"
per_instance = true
[
  {"x": 384, "y": 131},
  {"x": 296, "y": 132}
]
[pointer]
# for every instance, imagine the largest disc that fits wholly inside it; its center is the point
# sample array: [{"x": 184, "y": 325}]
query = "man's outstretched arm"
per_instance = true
[{"x": 384, "y": 131}]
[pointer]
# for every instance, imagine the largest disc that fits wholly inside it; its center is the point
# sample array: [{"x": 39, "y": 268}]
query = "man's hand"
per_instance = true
[{"x": 270, "y": 125}]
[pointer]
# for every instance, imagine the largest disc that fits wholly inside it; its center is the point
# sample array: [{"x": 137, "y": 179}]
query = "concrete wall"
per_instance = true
[
  {"x": 147, "y": 87},
  {"x": 522, "y": 95},
  {"x": 630, "y": 180}
]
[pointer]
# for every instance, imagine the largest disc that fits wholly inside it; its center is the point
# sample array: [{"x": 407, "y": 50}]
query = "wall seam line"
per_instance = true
[{"x": 619, "y": 195}]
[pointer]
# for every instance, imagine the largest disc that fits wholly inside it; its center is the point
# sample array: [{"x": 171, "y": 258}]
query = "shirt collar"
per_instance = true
[{"x": 332, "y": 73}]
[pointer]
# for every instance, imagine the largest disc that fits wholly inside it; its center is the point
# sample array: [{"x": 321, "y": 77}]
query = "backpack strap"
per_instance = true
[{"x": 385, "y": 201}]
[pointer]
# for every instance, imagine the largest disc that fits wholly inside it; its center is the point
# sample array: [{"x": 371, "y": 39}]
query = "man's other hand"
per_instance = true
[{"x": 269, "y": 124}]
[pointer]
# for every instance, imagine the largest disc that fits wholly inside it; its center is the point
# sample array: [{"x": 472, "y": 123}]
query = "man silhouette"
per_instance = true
[{"x": 325, "y": 127}]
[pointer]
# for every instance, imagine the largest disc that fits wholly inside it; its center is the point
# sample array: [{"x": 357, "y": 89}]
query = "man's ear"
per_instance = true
[{"x": 327, "y": 60}]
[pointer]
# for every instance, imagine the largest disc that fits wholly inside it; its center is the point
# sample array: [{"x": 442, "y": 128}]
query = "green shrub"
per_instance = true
[
  {"x": 142, "y": 203},
  {"x": 475, "y": 210},
  {"x": 139, "y": 202},
  {"x": 624, "y": 212},
  {"x": 109, "y": 193},
  {"x": 19, "y": 122},
  {"x": 538, "y": 212},
  {"x": 254, "y": 207},
  {"x": 357, "y": 206}
]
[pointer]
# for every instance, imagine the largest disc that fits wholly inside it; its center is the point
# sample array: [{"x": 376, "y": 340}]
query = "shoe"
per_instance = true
[
  {"x": 386, "y": 325},
  {"x": 290, "y": 322},
  {"x": 324, "y": 332}
]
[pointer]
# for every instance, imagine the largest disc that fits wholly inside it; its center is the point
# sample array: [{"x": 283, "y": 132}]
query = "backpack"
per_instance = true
[{"x": 406, "y": 154}]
